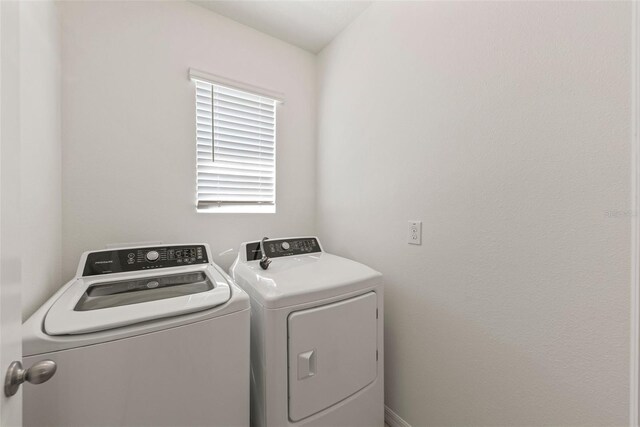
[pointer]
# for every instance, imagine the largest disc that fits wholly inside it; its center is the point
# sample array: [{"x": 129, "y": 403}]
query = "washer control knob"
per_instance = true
[
  {"x": 152, "y": 256},
  {"x": 285, "y": 246}
]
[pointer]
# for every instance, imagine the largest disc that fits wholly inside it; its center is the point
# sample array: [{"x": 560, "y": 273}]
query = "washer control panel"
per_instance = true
[
  {"x": 137, "y": 259},
  {"x": 283, "y": 247}
]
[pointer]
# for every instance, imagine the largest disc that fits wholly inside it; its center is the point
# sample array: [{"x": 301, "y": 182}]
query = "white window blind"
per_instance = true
[{"x": 236, "y": 147}]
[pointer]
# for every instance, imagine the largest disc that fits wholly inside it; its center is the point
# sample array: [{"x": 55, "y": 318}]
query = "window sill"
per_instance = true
[{"x": 238, "y": 209}]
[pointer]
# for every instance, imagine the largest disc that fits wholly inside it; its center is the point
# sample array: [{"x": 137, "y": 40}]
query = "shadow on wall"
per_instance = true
[{"x": 502, "y": 365}]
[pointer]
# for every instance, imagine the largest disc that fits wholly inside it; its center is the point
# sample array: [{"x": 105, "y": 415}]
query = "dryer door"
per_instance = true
[{"x": 332, "y": 353}]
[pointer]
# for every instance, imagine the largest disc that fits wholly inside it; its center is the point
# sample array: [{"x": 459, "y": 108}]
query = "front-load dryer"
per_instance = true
[
  {"x": 316, "y": 336},
  {"x": 142, "y": 336}
]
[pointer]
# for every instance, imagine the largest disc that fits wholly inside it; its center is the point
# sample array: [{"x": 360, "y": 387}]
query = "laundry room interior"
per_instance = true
[{"x": 204, "y": 204}]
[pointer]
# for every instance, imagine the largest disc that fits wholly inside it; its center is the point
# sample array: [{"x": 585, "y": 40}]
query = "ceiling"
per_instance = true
[{"x": 309, "y": 24}]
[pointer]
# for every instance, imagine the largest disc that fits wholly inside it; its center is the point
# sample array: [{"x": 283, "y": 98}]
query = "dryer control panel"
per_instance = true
[
  {"x": 137, "y": 259},
  {"x": 283, "y": 247}
]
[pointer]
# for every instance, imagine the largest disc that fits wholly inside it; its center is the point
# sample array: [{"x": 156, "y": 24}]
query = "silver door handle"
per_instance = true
[{"x": 38, "y": 373}]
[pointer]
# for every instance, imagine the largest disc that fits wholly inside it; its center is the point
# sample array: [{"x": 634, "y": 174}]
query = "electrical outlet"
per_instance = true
[{"x": 414, "y": 235}]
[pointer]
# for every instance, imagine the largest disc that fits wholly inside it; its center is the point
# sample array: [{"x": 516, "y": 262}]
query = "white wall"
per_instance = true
[
  {"x": 40, "y": 179},
  {"x": 128, "y": 125},
  {"x": 505, "y": 128}
]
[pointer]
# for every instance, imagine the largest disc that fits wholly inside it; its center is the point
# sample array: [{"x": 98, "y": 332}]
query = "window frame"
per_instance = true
[{"x": 278, "y": 99}]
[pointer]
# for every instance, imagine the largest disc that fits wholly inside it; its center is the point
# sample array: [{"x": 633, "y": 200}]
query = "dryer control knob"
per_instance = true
[
  {"x": 285, "y": 246},
  {"x": 153, "y": 256}
]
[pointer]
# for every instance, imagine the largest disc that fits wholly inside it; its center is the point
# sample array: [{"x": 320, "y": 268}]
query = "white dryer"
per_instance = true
[
  {"x": 142, "y": 336},
  {"x": 316, "y": 336}
]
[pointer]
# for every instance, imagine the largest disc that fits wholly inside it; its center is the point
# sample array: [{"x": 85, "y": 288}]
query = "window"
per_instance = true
[{"x": 236, "y": 148}]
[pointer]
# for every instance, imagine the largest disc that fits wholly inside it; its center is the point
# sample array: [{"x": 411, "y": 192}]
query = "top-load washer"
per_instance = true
[
  {"x": 316, "y": 335},
  {"x": 142, "y": 336}
]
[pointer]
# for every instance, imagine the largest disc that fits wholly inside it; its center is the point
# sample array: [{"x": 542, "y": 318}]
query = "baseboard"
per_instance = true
[{"x": 394, "y": 419}]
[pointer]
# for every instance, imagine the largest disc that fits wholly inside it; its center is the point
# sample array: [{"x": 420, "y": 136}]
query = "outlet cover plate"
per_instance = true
[{"x": 414, "y": 233}]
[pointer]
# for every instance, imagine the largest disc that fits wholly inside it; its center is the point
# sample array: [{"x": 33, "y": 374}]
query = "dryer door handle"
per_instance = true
[{"x": 306, "y": 364}]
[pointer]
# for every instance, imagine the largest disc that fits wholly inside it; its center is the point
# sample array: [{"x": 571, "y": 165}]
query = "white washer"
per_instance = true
[
  {"x": 316, "y": 336},
  {"x": 142, "y": 336}
]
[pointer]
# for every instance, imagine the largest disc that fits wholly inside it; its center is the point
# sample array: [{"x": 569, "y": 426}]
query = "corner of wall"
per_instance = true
[{"x": 634, "y": 361}]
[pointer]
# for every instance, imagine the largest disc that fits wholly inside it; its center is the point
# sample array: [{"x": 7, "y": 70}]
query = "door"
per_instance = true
[
  {"x": 332, "y": 353},
  {"x": 10, "y": 224}
]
